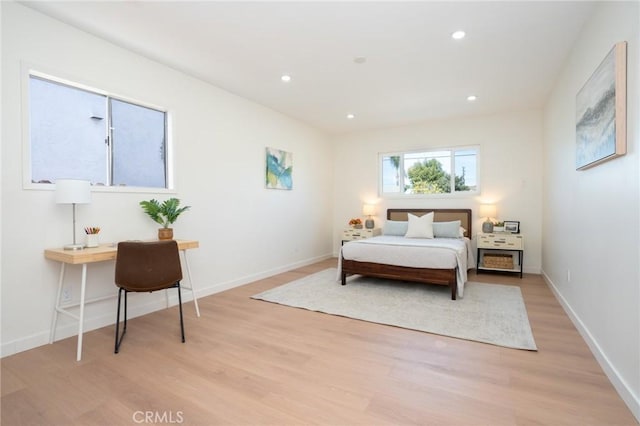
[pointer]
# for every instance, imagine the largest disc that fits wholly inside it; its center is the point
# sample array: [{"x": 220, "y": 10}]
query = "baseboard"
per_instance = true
[
  {"x": 621, "y": 386},
  {"x": 226, "y": 285},
  {"x": 93, "y": 323}
]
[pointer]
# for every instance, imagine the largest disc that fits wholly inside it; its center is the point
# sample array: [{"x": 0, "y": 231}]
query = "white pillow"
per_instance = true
[{"x": 420, "y": 226}]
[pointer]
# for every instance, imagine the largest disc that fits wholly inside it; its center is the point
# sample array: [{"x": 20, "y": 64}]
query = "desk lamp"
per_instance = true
[
  {"x": 369, "y": 210},
  {"x": 73, "y": 191},
  {"x": 487, "y": 211}
]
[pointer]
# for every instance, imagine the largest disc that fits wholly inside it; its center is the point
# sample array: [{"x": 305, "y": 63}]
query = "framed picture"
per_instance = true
[
  {"x": 512, "y": 226},
  {"x": 279, "y": 169},
  {"x": 601, "y": 111}
]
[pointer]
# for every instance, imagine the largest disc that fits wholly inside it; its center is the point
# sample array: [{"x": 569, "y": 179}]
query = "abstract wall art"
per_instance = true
[
  {"x": 279, "y": 169},
  {"x": 601, "y": 116}
]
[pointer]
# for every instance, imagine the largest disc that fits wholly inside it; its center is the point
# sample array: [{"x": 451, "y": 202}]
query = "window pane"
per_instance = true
[
  {"x": 391, "y": 178},
  {"x": 428, "y": 172},
  {"x": 67, "y": 127},
  {"x": 139, "y": 149},
  {"x": 466, "y": 170}
]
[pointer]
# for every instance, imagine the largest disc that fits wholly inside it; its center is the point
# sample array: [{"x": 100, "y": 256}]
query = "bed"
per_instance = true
[{"x": 441, "y": 261}]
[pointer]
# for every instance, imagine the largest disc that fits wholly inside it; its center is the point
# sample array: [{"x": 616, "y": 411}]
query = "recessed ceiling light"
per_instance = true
[
  {"x": 458, "y": 35},
  {"x": 351, "y": 116},
  {"x": 472, "y": 98},
  {"x": 286, "y": 78}
]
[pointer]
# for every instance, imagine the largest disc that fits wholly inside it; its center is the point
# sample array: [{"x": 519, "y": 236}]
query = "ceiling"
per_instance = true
[{"x": 413, "y": 70}]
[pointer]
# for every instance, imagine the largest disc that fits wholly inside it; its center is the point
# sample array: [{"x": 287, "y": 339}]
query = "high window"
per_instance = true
[
  {"x": 81, "y": 134},
  {"x": 430, "y": 172}
]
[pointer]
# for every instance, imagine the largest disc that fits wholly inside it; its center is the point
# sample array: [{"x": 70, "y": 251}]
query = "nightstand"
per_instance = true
[
  {"x": 496, "y": 252},
  {"x": 359, "y": 234}
]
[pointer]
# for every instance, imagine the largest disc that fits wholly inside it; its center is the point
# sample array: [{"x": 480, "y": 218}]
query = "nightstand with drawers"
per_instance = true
[
  {"x": 497, "y": 252},
  {"x": 352, "y": 234}
]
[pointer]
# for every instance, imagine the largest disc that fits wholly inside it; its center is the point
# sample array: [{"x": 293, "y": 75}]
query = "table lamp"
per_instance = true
[
  {"x": 487, "y": 211},
  {"x": 369, "y": 210},
  {"x": 73, "y": 191}
]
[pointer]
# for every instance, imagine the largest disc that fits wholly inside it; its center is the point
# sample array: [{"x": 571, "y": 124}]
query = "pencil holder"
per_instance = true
[{"x": 92, "y": 240}]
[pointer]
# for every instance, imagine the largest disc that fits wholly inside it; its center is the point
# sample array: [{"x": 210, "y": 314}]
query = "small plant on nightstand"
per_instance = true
[{"x": 356, "y": 223}]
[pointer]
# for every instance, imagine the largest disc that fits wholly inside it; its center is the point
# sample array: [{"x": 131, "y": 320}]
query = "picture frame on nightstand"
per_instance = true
[{"x": 512, "y": 226}]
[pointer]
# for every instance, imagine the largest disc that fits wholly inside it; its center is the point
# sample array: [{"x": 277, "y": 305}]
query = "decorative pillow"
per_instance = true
[
  {"x": 462, "y": 231},
  {"x": 446, "y": 229},
  {"x": 420, "y": 226},
  {"x": 395, "y": 227}
]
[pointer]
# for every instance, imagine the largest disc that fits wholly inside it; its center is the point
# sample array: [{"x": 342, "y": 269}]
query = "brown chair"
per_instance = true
[{"x": 146, "y": 267}]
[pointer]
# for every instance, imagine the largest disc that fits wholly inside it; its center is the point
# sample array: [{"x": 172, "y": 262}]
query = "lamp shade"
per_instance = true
[
  {"x": 73, "y": 191},
  {"x": 488, "y": 210},
  {"x": 368, "y": 209}
]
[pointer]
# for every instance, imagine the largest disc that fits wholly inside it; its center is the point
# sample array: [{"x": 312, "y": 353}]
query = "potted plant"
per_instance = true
[
  {"x": 164, "y": 214},
  {"x": 356, "y": 223},
  {"x": 498, "y": 227}
]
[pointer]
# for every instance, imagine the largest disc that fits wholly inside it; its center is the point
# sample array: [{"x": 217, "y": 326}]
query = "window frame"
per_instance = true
[
  {"x": 453, "y": 194},
  {"x": 30, "y": 71}
]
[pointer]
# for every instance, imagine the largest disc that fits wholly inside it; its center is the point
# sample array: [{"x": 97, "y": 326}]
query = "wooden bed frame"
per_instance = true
[{"x": 421, "y": 275}]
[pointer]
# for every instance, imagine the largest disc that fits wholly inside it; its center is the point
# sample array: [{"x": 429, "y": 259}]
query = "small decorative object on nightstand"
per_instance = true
[
  {"x": 369, "y": 210},
  {"x": 496, "y": 252},
  {"x": 356, "y": 223},
  {"x": 359, "y": 234}
]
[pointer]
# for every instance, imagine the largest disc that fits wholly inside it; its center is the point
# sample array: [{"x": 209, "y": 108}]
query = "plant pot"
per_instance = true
[{"x": 165, "y": 234}]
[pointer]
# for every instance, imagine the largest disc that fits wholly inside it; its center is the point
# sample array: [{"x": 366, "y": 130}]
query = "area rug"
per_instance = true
[{"x": 488, "y": 313}]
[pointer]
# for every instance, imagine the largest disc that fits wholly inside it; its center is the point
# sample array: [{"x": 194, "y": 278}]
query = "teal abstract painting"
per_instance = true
[
  {"x": 279, "y": 169},
  {"x": 601, "y": 112}
]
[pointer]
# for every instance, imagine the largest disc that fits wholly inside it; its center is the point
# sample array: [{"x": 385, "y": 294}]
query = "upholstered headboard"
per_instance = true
[{"x": 439, "y": 215}]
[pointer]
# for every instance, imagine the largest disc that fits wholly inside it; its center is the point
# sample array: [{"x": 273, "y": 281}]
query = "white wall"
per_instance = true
[
  {"x": 591, "y": 217},
  {"x": 245, "y": 231},
  {"x": 510, "y": 164}
]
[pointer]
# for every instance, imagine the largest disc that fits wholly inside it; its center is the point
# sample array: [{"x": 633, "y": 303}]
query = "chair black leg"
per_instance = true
[
  {"x": 180, "y": 305},
  {"x": 124, "y": 329},
  {"x": 115, "y": 350}
]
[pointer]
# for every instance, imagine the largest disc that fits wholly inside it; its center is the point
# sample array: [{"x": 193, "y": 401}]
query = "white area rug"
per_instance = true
[{"x": 488, "y": 313}]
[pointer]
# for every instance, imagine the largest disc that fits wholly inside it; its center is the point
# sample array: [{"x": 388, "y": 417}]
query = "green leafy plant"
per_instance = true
[
  {"x": 498, "y": 224},
  {"x": 164, "y": 214}
]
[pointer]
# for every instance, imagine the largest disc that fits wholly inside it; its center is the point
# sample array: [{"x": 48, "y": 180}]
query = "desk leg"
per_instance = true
[
  {"x": 82, "y": 295},
  {"x": 54, "y": 320},
  {"x": 193, "y": 291}
]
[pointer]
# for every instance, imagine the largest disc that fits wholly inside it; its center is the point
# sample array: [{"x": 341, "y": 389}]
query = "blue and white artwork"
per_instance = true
[
  {"x": 596, "y": 124},
  {"x": 279, "y": 169}
]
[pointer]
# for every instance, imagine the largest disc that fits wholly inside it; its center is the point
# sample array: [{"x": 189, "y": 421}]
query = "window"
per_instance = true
[
  {"x": 81, "y": 134},
  {"x": 429, "y": 172}
]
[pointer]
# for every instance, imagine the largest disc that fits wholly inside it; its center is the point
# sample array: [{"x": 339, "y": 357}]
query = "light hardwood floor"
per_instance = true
[{"x": 248, "y": 362}]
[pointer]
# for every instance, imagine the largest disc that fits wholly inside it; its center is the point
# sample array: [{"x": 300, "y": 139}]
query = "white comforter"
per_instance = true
[{"x": 446, "y": 253}]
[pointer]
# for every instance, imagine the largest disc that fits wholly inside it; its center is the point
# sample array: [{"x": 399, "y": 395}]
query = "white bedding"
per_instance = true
[{"x": 436, "y": 253}]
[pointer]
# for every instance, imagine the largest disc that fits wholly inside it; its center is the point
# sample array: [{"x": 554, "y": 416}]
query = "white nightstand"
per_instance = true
[
  {"x": 359, "y": 234},
  {"x": 496, "y": 252}
]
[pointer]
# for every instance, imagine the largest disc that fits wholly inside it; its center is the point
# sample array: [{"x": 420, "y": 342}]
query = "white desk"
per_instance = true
[{"x": 98, "y": 254}]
